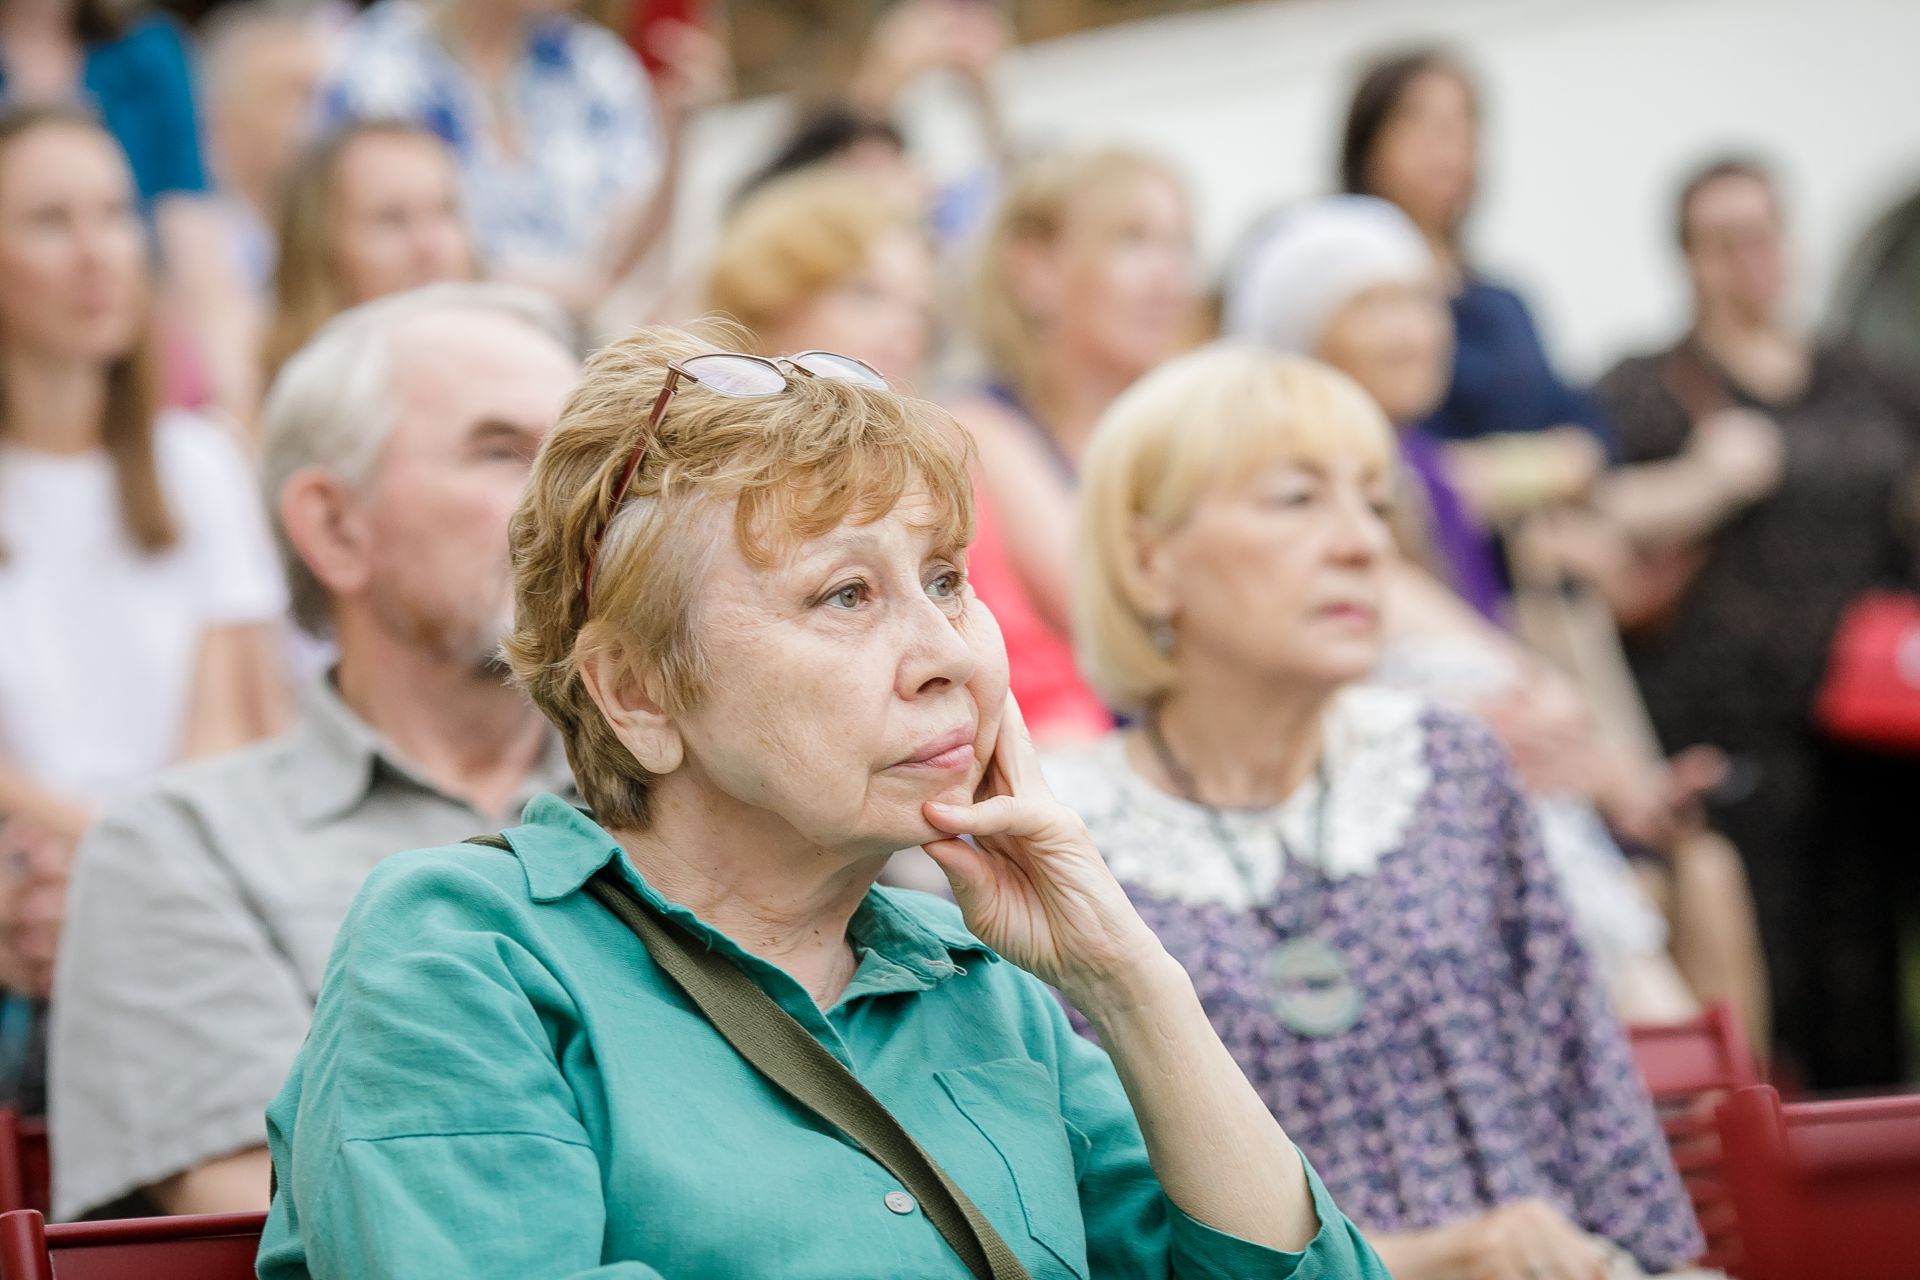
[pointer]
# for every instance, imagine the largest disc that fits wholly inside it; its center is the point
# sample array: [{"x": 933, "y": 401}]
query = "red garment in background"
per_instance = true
[{"x": 1057, "y": 704}]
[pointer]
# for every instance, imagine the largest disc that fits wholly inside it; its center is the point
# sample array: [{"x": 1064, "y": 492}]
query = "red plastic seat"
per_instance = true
[
  {"x": 215, "y": 1246},
  {"x": 1825, "y": 1188},
  {"x": 24, "y": 1169},
  {"x": 1690, "y": 1068}
]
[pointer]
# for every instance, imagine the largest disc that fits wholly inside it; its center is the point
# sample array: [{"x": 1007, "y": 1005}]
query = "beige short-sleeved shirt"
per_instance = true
[{"x": 199, "y": 921}]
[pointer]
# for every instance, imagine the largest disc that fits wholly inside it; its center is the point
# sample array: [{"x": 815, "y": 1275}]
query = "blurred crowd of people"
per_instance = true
[{"x": 288, "y": 303}]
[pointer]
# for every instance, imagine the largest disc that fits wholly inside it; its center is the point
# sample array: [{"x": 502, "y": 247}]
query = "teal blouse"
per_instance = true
[{"x": 499, "y": 1082}]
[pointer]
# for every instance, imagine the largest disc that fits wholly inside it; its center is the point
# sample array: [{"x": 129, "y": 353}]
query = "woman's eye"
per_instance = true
[
  {"x": 848, "y": 597},
  {"x": 945, "y": 585}
]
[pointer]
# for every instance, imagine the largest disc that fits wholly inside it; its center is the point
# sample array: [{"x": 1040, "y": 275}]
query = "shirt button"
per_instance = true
[{"x": 900, "y": 1202}]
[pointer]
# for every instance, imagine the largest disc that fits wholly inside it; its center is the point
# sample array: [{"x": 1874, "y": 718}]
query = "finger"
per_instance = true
[
  {"x": 1535, "y": 1263},
  {"x": 1571, "y": 1255},
  {"x": 1015, "y": 753},
  {"x": 1698, "y": 770},
  {"x": 994, "y": 816},
  {"x": 964, "y": 866},
  {"x": 971, "y": 873}
]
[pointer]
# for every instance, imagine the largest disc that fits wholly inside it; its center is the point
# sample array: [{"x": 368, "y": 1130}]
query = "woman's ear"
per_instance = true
[
  {"x": 642, "y": 725},
  {"x": 327, "y": 529},
  {"x": 1154, "y": 570}
]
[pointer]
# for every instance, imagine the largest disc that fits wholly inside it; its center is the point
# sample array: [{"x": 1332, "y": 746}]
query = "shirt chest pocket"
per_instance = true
[{"x": 1022, "y": 1157}]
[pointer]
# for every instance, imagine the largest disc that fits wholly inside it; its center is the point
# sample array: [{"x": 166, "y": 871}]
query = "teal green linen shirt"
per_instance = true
[{"x": 500, "y": 1083}]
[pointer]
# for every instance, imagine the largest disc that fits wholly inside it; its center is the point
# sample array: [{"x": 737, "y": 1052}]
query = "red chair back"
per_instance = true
[
  {"x": 1690, "y": 1068},
  {"x": 25, "y": 1177},
  {"x": 1825, "y": 1188},
  {"x": 214, "y": 1246}
]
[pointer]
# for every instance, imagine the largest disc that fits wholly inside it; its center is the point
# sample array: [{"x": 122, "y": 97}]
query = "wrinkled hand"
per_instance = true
[
  {"x": 1033, "y": 887},
  {"x": 1529, "y": 1240},
  {"x": 33, "y": 903},
  {"x": 696, "y": 69},
  {"x": 1743, "y": 451}
]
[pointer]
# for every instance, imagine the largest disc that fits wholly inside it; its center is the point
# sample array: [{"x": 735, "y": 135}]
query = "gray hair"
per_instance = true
[{"x": 333, "y": 404}]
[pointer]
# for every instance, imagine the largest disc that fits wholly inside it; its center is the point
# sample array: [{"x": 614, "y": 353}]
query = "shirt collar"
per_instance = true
[
  {"x": 561, "y": 848},
  {"x": 340, "y": 757},
  {"x": 336, "y": 753}
]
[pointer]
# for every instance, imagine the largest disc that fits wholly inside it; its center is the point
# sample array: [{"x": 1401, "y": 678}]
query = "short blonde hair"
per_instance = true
[
  {"x": 792, "y": 467},
  {"x": 1041, "y": 196},
  {"x": 794, "y": 239},
  {"x": 1205, "y": 421}
]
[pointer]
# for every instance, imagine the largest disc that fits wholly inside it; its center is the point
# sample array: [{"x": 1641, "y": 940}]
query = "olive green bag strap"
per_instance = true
[{"x": 789, "y": 1056}]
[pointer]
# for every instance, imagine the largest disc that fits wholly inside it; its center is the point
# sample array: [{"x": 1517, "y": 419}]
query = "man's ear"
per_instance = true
[
  {"x": 643, "y": 727},
  {"x": 328, "y": 529}
]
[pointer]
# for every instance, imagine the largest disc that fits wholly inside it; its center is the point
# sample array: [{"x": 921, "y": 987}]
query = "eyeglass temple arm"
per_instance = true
[{"x": 626, "y": 478}]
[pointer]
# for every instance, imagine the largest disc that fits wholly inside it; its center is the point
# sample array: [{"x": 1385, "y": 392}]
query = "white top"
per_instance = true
[
  {"x": 1376, "y": 757},
  {"x": 1377, "y": 753},
  {"x": 100, "y": 639}
]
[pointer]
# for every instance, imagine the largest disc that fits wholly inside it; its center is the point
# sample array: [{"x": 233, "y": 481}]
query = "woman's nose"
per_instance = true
[
  {"x": 97, "y": 243},
  {"x": 1362, "y": 535},
  {"x": 935, "y": 651}
]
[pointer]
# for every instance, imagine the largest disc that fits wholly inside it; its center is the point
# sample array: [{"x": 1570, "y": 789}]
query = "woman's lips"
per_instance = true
[
  {"x": 1351, "y": 613},
  {"x": 945, "y": 754}
]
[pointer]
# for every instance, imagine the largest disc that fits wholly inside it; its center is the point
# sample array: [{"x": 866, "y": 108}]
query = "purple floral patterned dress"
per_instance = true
[{"x": 1484, "y": 1066}]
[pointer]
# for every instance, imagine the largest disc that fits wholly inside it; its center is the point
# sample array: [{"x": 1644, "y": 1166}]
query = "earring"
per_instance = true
[{"x": 1160, "y": 633}]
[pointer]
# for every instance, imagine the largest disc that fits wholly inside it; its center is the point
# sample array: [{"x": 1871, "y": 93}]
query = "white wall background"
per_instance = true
[{"x": 1594, "y": 109}]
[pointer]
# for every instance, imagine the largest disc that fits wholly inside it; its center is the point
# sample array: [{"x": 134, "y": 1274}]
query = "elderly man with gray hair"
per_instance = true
[{"x": 203, "y": 908}]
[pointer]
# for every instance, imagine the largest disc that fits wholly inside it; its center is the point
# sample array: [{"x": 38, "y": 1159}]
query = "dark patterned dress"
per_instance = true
[
  {"x": 1826, "y": 832},
  {"x": 1484, "y": 1066}
]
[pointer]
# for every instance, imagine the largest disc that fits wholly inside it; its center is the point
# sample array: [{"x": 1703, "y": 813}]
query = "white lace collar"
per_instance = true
[{"x": 1377, "y": 766}]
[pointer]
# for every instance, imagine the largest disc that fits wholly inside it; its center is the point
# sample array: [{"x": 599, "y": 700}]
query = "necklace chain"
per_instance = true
[
  {"x": 1183, "y": 781},
  {"x": 1312, "y": 988}
]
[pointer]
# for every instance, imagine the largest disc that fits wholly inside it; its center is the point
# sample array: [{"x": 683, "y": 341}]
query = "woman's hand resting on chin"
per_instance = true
[{"x": 1034, "y": 888}]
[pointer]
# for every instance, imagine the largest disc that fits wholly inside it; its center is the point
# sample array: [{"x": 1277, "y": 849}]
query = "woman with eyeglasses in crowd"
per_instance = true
[
  {"x": 740, "y": 594},
  {"x": 821, "y": 259}
]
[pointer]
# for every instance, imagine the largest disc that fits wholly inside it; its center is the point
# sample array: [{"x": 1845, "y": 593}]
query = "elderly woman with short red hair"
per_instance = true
[{"x": 686, "y": 1036}]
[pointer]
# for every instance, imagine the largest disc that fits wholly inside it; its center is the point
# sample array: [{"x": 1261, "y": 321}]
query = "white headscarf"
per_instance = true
[{"x": 1309, "y": 260}]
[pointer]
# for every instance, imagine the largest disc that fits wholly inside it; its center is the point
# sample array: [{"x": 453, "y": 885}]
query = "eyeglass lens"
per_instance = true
[
  {"x": 740, "y": 376},
  {"x": 825, "y": 364}
]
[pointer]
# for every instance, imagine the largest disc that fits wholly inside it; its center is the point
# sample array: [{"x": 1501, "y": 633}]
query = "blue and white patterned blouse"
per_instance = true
[{"x": 581, "y": 105}]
